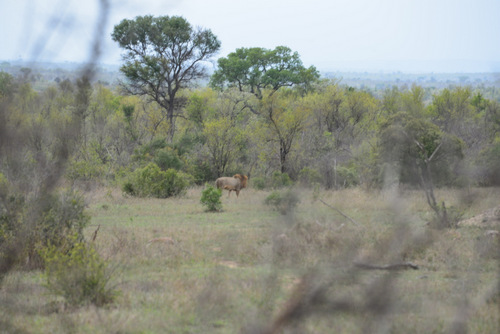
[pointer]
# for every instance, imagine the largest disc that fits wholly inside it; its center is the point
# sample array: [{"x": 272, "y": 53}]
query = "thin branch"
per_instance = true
[
  {"x": 343, "y": 214},
  {"x": 395, "y": 266},
  {"x": 435, "y": 151}
]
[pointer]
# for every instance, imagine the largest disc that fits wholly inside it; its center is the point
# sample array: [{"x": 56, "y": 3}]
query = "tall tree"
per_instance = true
[
  {"x": 254, "y": 70},
  {"x": 163, "y": 54},
  {"x": 284, "y": 119}
]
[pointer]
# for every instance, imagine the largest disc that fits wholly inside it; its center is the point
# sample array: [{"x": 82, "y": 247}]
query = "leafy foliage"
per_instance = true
[
  {"x": 210, "y": 198},
  {"x": 162, "y": 55},
  {"x": 330, "y": 134},
  {"x": 489, "y": 162},
  {"x": 280, "y": 180},
  {"x": 309, "y": 177},
  {"x": 151, "y": 181},
  {"x": 78, "y": 274},
  {"x": 407, "y": 142},
  {"x": 167, "y": 158},
  {"x": 257, "y": 69},
  {"x": 283, "y": 201},
  {"x": 54, "y": 220},
  {"x": 223, "y": 140}
]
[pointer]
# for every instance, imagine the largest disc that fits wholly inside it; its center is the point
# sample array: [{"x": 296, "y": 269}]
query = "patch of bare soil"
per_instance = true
[{"x": 229, "y": 264}]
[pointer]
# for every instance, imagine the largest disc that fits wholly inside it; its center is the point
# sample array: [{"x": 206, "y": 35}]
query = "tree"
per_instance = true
[
  {"x": 163, "y": 54},
  {"x": 423, "y": 153},
  {"x": 256, "y": 69},
  {"x": 221, "y": 119},
  {"x": 343, "y": 117},
  {"x": 7, "y": 85},
  {"x": 223, "y": 139},
  {"x": 284, "y": 120}
]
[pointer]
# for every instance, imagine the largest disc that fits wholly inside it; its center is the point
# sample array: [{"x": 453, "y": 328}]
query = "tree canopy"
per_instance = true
[
  {"x": 163, "y": 54},
  {"x": 257, "y": 69}
]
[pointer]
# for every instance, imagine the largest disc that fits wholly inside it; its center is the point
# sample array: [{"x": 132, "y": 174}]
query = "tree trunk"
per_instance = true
[
  {"x": 171, "y": 123},
  {"x": 283, "y": 154}
]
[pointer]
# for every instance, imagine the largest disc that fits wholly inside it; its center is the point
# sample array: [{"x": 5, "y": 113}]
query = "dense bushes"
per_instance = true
[
  {"x": 276, "y": 181},
  {"x": 168, "y": 159},
  {"x": 283, "y": 201},
  {"x": 489, "y": 165},
  {"x": 151, "y": 181},
  {"x": 54, "y": 220},
  {"x": 79, "y": 274},
  {"x": 330, "y": 135}
]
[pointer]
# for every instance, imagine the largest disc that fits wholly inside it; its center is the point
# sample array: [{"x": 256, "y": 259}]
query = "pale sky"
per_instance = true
[{"x": 333, "y": 35}]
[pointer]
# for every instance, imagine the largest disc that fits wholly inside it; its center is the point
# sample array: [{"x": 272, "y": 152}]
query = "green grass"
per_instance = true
[{"x": 235, "y": 271}]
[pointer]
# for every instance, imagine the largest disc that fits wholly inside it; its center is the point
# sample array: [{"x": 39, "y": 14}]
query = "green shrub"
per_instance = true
[
  {"x": 167, "y": 158},
  {"x": 78, "y": 274},
  {"x": 280, "y": 180},
  {"x": 35, "y": 223},
  {"x": 86, "y": 169},
  {"x": 488, "y": 164},
  {"x": 11, "y": 210},
  {"x": 347, "y": 177},
  {"x": 284, "y": 202},
  {"x": 147, "y": 151},
  {"x": 452, "y": 214},
  {"x": 201, "y": 170},
  {"x": 151, "y": 181},
  {"x": 308, "y": 177},
  {"x": 210, "y": 197},
  {"x": 128, "y": 188},
  {"x": 259, "y": 183},
  {"x": 277, "y": 180}
]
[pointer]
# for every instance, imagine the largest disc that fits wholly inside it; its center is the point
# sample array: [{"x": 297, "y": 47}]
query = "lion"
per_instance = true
[{"x": 235, "y": 183}]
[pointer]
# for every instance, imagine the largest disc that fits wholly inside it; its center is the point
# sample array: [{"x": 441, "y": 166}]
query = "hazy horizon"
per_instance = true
[{"x": 426, "y": 36}]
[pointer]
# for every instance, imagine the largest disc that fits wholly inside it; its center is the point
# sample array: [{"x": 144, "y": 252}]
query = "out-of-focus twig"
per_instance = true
[
  {"x": 395, "y": 266},
  {"x": 343, "y": 214}
]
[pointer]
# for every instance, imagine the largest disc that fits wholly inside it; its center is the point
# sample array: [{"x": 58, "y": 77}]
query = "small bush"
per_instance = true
[
  {"x": 308, "y": 177},
  {"x": 488, "y": 164},
  {"x": 34, "y": 223},
  {"x": 151, "y": 181},
  {"x": 85, "y": 169},
  {"x": 347, "y": 177},
  {"x": 280, "y": 180},
  {"x": 259, "y": 183},
  {"x": 128, "y": 188},
  {"x": 201, "y": 171},
  {"x": 284, "y": 202},
  {"x": 60, "y": 221},
  {"x": 448, "y": 217},
  {"x": 79, "y": 275},
  {"x": 147, "y": 151},
  {"x": 210, "y": 197}
]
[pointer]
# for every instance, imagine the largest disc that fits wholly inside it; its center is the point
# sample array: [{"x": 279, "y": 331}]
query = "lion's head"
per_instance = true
[{"x": 243, "y": 180}]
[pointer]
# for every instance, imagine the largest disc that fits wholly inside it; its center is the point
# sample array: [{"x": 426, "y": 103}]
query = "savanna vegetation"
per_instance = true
[{"x": 352, "y": 220}]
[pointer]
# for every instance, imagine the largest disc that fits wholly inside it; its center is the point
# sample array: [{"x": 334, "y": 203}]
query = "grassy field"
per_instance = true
[{"x": 250, "y": 269}]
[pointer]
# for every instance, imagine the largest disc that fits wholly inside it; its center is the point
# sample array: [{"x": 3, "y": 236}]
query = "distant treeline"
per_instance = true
[
  {"x": 42, "y": 73},
  {"x": 330, "y": 135}
]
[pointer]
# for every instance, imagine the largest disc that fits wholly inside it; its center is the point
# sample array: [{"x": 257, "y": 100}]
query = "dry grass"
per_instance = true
[{"x": 249, "y": 268}]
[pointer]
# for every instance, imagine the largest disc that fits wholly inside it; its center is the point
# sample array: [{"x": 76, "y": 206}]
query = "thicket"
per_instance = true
[
  {"x": 78, "y": 274},
  {"x": 42, "y": 215},
  {"x": 325, "y": 134},
  {"x": 284, "y": 201},
  {"x": 151, "y": 181}
]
